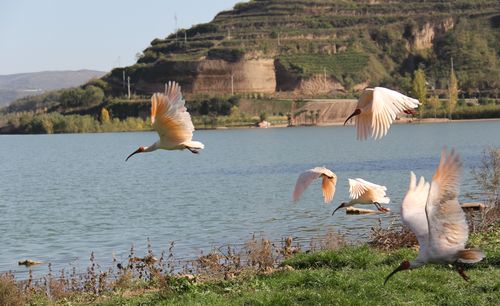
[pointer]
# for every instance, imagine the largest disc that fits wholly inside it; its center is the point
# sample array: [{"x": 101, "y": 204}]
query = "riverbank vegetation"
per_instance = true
[
  {"x": 53, "y": 113},
  {"x": 325, "y": 270},
  {"x": 331, "y": 274},
  {"x": 462, "y": 111}
]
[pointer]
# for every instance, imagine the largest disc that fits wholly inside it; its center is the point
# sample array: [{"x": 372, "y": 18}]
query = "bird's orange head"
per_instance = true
[
  {"x": 405, "y": 265},
  {"x": 140, "y": 150}
]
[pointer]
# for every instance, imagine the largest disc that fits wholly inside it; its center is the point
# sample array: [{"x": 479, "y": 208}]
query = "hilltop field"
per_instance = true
[{"x": 265, "y": 59}]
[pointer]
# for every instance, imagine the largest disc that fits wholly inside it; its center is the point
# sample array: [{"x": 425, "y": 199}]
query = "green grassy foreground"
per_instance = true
[{"x": 349, "y": 276}]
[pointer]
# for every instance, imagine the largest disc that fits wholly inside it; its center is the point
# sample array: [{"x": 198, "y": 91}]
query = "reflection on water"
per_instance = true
[{"x": 63, "y": 196}]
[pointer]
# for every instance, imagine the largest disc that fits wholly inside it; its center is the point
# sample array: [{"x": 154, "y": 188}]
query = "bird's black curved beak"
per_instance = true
[
  {"x": 400, "y": 268},
  {"x": 135, "y": 152},
  {"x": 341, "y": 205},
  {"x": 356, "y": 112}
]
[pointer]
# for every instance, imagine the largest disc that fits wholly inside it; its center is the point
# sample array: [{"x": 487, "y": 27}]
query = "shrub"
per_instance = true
[
  {"x": 10, "y": 295},
  {"x": 392, "y": 237},
  {"x": 202, "y": 29},
  {"x": 72, "y": 97},
  {"x": 214, "y": 106},
  {"x": 486, "y": 101},
  {"x": 99, "y": 83},
  {"x": 92, "y": 96},
  {"x": 149, "y": 56},
  {"x": 42, "y": 125},
  {"x": 487, "y": 177}
]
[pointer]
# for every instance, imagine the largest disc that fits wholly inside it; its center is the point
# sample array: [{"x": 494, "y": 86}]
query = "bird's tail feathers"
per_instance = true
[
  {"x": 385, "y": 200},
  {"x": 194, "y": 145},
  {"x": 470, "y": 256}
]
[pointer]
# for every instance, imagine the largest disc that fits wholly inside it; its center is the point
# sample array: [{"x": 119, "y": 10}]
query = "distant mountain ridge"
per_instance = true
[{"x": 15, "y": 86}]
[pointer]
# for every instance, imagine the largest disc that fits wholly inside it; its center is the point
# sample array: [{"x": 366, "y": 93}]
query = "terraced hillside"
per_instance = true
[{"x": 321, "y": 46}]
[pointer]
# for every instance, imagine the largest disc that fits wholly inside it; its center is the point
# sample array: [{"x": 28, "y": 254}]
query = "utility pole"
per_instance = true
[
  {"x": 123, "y": 83},
  {"x": 175, "y": 26},
  {"x": 128, "y": 82},
  {"x": 185, "y": 37},
  {"x": 232, "y": 83}
]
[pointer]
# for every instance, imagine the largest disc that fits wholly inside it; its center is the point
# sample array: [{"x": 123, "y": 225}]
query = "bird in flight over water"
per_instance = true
[
  {"x": 364, "y": 192},
  {"x": 377, "y": 108},
  {"x": 169, "y": 117},
  {"x": 307, "y": 177}
]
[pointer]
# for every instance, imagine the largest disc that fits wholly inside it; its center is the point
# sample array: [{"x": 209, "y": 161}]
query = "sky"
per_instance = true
[{"x": 42, "y": 35}]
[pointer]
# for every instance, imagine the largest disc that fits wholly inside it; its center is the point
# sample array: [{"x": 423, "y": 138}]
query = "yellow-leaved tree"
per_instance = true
[
  {"x": 419, "y": 89},
  {"x": 452, "y": 92},
  {"x": 434, "y": 104},
  {"x": 104, "y": 115}
]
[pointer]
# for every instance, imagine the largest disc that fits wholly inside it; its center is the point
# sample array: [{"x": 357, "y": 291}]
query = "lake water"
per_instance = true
[{"x": 64, "y": 196}]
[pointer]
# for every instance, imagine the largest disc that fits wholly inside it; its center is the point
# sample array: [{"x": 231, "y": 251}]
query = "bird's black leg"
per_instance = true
[
  {"x": 460, "y": 270},
  {"x": 193, "y": 150},
  {"x": 379, "y": 207}
]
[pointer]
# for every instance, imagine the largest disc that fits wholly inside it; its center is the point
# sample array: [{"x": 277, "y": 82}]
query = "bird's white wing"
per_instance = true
[
  {"x": 361, "y": 188},
  {"x": 413, "y": 209},
  {"x": 303, "y": 181},
  {"x": 356, "y": 188},
  {"x": 370, "y": 184},
  {"x": 306, "y": 178},
  {"x": 364, "y": 120},
  {"x": 169, "y": 116},
  {"x": 448, "y": 230},
  {"x": 386, "y": 105}
]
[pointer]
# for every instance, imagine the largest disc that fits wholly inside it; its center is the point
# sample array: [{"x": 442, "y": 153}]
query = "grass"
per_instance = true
[
  {"x": 267, "y": 273},
  {"x": 349, "y": 276}
]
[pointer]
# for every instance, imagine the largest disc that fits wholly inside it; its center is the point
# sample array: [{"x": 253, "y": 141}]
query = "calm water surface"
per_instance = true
[{"x": 63, "y": 196}]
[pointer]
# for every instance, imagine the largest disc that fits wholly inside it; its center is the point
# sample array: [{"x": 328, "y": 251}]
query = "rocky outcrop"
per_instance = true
[
  {"x": 246, "y": 76},
  {"x": 424, "y": 37},
  {"x": 330, "y": 110},
  {"x": 319, "y": 84}
]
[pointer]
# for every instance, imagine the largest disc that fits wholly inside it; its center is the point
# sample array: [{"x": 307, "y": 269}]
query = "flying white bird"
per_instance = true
[
  {"x": 171, "y": 120},
  {"x": 377, "y": 108},
  {"x": 436, "y": 218},
  {"x": 306, "y": 178},
  {"x": 363, "y": 192}
]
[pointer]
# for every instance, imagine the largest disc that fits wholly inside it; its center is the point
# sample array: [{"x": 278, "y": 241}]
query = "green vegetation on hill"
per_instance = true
[
  {"x": 314, "y": 33},
  {"x": 352, "y": 43},
  {"x": 348, "y": 67}
]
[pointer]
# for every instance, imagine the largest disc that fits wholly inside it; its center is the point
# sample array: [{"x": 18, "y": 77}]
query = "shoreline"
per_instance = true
[
  {"x": 400, "y": 121},
  {"x": 325, "y": 124}
]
